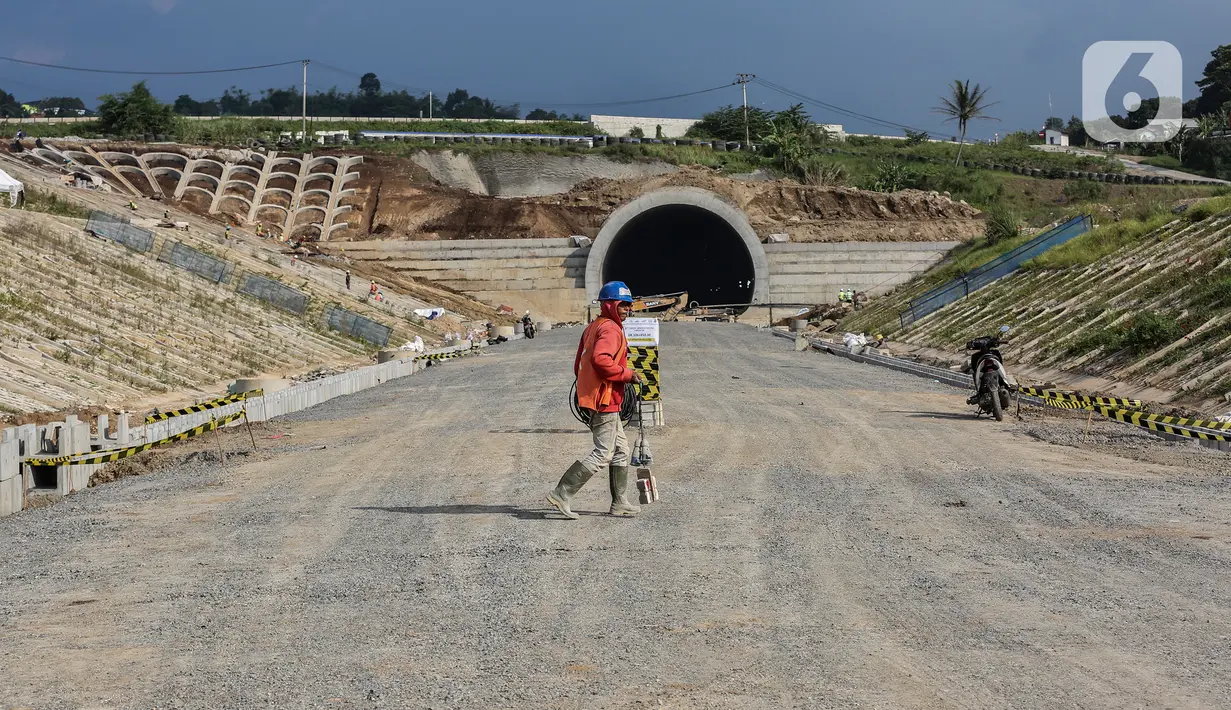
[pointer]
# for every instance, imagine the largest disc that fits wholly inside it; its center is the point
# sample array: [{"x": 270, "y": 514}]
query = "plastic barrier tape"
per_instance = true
[
  {"x": 1160, "y": 423},
  {"x": 645, "y": 361},
  {"x": 1064, "y": 404},
  {"x": 110, "y": 456},
  {"x": 204, "y": 406},
  {"x": 447, "y": 356},
  {"x": 1080, "y": 398}
]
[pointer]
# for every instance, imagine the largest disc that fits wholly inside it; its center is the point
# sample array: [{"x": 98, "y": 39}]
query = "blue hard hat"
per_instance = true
[{"x": 615, "y": 291}]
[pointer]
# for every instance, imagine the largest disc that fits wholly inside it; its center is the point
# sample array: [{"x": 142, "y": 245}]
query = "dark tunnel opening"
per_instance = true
[{"x": 676, "y": 248}]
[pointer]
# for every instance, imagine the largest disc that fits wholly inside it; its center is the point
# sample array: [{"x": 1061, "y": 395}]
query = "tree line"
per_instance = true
[{"x": 369, "y": 100}]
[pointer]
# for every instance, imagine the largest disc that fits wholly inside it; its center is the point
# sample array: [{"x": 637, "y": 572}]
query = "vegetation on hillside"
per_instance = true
[{"x": 40, "y": 201}]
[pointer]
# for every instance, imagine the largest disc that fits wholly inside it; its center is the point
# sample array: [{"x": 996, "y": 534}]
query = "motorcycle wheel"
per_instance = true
[{"x": 997, "y": 410}]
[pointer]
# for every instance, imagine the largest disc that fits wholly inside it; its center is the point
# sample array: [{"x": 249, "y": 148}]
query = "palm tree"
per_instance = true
[{"x": 962, "y": 105}]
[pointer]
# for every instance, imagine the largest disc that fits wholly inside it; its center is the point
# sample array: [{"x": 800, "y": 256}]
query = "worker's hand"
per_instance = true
[{"x": 639, "y": 378}]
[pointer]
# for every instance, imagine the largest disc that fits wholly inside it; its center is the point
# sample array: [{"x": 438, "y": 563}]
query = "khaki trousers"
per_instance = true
[{"x": 610, "y": 444}]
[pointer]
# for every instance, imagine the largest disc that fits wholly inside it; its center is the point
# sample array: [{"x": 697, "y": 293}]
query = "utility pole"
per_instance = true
[
  {"x": 305, "y": 101},
  {"x": 742, "y": 80},
  {"x": 429, "y": 104}
]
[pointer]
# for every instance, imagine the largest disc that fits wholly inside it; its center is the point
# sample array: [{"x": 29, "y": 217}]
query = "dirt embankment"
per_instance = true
[{"x": 400, "y": 199}]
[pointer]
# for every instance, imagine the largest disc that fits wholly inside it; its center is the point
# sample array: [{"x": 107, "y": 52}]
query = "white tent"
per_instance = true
[{"x": 10, "y": 185}]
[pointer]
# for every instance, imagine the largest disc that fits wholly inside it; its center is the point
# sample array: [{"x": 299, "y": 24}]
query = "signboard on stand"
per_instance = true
[{"x": 642, "y": 334}]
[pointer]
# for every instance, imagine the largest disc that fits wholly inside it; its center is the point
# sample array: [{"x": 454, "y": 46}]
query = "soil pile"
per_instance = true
[{"x": 401, "y": 200}]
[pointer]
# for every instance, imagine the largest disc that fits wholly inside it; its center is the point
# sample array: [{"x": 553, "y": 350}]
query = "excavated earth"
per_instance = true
[{"x": 403, "y": 199}]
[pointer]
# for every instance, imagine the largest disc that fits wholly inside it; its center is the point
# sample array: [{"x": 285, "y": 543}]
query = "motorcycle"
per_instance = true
[
  {"x": 992, "y": 388},
  {"x": 528, "y": 328}
]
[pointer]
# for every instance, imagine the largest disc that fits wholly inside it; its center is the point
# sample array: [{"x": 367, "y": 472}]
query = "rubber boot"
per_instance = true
[
  {"x": 571, "y": 482},
  {"x": 619, "y": 486}
]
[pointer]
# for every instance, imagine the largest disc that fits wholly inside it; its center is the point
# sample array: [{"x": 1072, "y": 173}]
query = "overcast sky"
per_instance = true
[{"x": 889, "y": 59}]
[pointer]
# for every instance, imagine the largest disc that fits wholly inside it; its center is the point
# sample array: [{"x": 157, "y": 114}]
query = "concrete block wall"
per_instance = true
[
  {"x": 73, "y": 437},
  {"x": 814, "y": 273},
  {"x": 12, "y": 482},
  {"x": 621, "y": 125},
  {"x": 546, "y": 276}
]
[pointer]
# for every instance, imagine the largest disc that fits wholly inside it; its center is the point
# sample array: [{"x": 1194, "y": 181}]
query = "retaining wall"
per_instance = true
[
  {"x": 814, "y": 273},
  {"x": 548, "y": 275}
]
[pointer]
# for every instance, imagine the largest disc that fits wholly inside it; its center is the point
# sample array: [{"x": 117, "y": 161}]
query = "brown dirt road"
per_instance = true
[{"x": 830, "y": 535}]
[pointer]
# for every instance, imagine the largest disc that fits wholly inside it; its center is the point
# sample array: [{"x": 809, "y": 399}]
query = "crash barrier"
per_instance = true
[
  {"x": 118, "y": 229},
  {"x": 645, "y": 361},
  {"x": 357, "y": 326},
  {"x": 1051, "y": 172},
  {"x": 204, "y": 406},
  {"x": 116, "y": 455},
  {"x": 198, "y": 262},
  {"x": 1203, "y": 431},
  {"x": 997, "y": 268},
  {"x": 433, "y": 138},
  {"x": 72, "y": 439},
  {"x": 274, "y": 293}
]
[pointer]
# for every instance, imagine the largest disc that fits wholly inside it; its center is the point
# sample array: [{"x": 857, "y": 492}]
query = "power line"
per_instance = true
[
  {"x": 629, "y": 103},
  {"x": 838, "y": 109},
  {"x": 357, "y": 75},
  {"x": 149, "y": 73},
  {"x": 601, "y": 104}
]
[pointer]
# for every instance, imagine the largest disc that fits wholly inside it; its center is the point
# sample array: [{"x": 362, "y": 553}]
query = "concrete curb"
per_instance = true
[
  {"x": 948, "y": 377},
  {"x": 74, "y": 437}
]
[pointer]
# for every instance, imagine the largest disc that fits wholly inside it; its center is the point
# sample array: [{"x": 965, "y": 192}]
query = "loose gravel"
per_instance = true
[{"x": 830, "y": 535}]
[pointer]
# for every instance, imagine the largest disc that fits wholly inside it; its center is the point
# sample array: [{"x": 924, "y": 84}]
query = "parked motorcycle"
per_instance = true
[{"x": 992, "y": 386}]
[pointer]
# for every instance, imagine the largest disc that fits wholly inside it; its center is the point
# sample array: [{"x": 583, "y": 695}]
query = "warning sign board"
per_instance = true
[{"x": 641, "y": 332}]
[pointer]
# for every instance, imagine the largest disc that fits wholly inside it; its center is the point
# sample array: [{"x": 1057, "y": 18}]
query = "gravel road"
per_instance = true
[{"x": 830, "y": 535}]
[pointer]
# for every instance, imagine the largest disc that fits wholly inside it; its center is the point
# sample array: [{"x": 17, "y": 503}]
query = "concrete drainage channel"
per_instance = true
[
  {"x": 72, "y": 437},
  {"x": 962, "y": 381}
]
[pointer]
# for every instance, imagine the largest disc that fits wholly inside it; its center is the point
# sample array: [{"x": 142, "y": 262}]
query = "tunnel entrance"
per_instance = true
[{"x": 682, "y": 247}]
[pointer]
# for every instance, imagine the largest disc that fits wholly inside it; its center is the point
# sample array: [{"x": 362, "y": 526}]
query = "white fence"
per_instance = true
[{"x": 17, "y": 444}]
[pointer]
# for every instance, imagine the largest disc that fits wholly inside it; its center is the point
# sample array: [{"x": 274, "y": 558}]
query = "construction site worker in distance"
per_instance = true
[{"x": 602, "y": 371}]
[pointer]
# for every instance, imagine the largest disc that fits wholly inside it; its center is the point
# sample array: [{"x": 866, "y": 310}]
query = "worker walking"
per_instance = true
[
  {"x": 601, "y": 367},
  {"x": 348, "y": 279}
]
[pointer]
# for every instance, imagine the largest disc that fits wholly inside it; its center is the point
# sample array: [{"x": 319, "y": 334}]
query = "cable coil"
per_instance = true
[{"x": 632, "y": 398}]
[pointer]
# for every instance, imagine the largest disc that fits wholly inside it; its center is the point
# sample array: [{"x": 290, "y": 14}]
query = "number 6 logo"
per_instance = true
[{"x": 1116, "y": 77}]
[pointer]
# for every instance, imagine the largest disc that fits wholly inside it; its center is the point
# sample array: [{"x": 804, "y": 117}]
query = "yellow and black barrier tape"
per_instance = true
[
  {"x": 1065, "y": 404},
  {"x": 645, "y": 361},
  {"x": 1062, "y": 400},
  {"x": 1080, "y": 399},
  {"x": 204, "y": 406},
  {"x": 448, "y": 356},
  {"x": 1151, "y": 421},
  {"x": 116, "y": 455}
]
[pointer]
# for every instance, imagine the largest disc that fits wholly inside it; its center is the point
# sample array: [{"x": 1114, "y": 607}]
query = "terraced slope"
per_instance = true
[
  {"x": 84, "y": 321},
  {"x": 1154, "y": 313}
]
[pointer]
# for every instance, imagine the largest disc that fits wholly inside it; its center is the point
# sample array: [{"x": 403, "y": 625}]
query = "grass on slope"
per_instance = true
[
  {"x": 1109, "y": 238},
  {"x": 881, "y": 315},
  {"x": 46, "y": 202}
]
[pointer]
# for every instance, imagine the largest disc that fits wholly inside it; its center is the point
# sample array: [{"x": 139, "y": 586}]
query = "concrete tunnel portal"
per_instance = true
[{"x": 682, "y": 239}]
